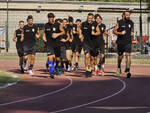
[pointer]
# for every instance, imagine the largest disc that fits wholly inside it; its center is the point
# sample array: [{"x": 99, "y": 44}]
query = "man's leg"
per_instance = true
[
  {"x": 69, "y": 58},
  {"x": 51, "y": 65},
  {"x": 120, "y": 49},
  {"x": 128, "y": 60},
  {"x": 88, "y": 64},
  {"x": 128, "y": 64},
  {"x": 31, "y": 63}
]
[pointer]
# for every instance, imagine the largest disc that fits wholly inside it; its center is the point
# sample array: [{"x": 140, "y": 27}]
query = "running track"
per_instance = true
[{"x": 73, "y": 93}]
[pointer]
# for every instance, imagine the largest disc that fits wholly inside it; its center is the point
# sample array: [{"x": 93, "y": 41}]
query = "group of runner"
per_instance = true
[{"x": 65, "y": 38}]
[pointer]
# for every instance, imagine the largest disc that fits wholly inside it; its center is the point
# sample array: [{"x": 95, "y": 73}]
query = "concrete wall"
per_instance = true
[{"x": 20, "y": 11}]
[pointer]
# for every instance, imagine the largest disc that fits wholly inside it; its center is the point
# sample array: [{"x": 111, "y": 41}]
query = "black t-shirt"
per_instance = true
[
  {"x": 128, "y": 27},
  {"x": 64, "y": 36},
  {"x": 29, "y": 35},
  {"x": 18, "y": 36},
  {"x": 49, "y": 30},
  {"x": 87, "y": 28}
]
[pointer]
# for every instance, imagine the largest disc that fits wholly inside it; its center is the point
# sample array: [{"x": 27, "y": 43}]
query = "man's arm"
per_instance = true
[
  {"x": 115, "y": 31},
  {"x": 38, "y": 34},
  {"x": 22, "y": 35},
  {"x": 62, "y": 32},
  {"x": 80, "y": 34},
  {"x": 44, "y": 37},
  {"x": 15, "y": 38},
  {"x": 97, "y": 31}
]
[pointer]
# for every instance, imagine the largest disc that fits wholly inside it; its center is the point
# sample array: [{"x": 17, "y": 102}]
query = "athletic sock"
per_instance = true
[
  {"x": 30, "y": 67},
  {"x": 51, "y": 67},
  {"x": 102, "y": 67},
  {"x": 99, "y": 64},
  {"x": 70, "y": 64},
  {"x": 95, "y": 67},
  {"x": 46, "y": 64},
  {"x": 76, "y": 64},
  {"x": 128, "y": 69},
  {"x": 62, "y": 65},
  {"x": 56, "y": 65},
  {"x": 66, "y": 64},
  {"x": 119, "y": 66}
]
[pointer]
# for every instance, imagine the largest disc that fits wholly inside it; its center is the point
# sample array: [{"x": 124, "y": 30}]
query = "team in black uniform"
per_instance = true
[{"x": 64, "y": 39}]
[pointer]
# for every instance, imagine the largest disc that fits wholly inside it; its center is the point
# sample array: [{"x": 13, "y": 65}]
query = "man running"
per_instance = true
[
  {"x": 51, "y": 35},
  {"x": 69, "y": 53},
  {"x": 124, "y": 31},
  {"x": 29, "y": 34},
  {"x": 101, "y": 44},
  {"x": 76, "y": 44},
  {"x": 89, "y": 31},
  {"x": 19, "y": 45}
]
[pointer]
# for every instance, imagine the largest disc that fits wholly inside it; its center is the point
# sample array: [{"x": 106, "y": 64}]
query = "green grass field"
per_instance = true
[
  {"x": 7, "y": 78},
  {"x": 135, "y": 61}
]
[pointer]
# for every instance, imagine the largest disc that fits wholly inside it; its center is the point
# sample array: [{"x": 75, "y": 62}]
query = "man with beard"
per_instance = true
[{"x": 124, "y": 31}]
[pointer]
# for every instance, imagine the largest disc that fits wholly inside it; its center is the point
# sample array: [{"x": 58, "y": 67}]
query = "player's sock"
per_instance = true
[
  {"x": 51, "y": 67},
  {"x": 30, "y": 67},
  {"x": 56, "y": 65}
]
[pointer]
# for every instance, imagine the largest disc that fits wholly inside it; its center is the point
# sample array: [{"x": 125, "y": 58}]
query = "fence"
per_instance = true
[{"x": 110, "y": 17}]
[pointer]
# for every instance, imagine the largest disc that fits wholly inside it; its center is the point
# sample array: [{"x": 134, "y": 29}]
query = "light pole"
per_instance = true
[
  {"x": 7, "y": 29},
  {"x": 141, "y": 34}
]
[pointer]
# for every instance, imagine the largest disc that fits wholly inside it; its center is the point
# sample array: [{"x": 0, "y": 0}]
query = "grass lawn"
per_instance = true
[
  {"x": 7, "y": 78},
  {"x": 135, "y": 61}
]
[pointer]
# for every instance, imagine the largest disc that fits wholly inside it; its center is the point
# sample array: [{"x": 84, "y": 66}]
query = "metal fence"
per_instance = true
[{"x": 109, "y": 18}]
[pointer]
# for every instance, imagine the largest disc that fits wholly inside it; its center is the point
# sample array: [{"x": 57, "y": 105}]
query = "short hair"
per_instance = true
[
  {"x": 97, "y": 15},
  {"x": 50, "y": 15},
  {"x": 65, "y": 19},
  {"x": 60, "y": 20},
  {"x": 29, "y": 17},
  {"x": 125, "y": 12},
  {"x": 70, "y": 19},
  {"x": 78, "y": 20},
  {"x": 90, "y": 14},
  {"x": 21, "y": 21}
]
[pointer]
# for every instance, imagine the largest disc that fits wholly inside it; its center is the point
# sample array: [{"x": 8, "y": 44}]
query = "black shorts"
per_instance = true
[
  {"x": 63, "y": 52},
  {"x": 57, "y": 51},
  {"x": 101, "y": 49},
  {"x": 29, "y": 50},
  {"x": 90, "y": 50},
  {"x": 53, "y": 51},
  {"x": 68, "y": 45},
  {"x": 20, "y": 51},
  {"x": 94, "y": 52},
  {"x": 76, "y": 48},
  {"x": 124, "y": 48}
]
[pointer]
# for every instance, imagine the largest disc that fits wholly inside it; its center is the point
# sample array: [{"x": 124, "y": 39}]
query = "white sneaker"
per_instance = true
[
  {"x": 25, "y": 68},
  {"x": 68, "y": 68},
  {"x": 30, "y": 72}
]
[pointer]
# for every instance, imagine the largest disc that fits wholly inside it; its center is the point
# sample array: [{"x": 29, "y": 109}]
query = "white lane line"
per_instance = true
[
  {"x": 99, "y": 100},
  {"x": 40, "y": 96}
]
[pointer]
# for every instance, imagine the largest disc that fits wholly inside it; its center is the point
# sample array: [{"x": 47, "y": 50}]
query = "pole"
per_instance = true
[
  {"x": 148, "y": 30},
  {"x": 140, "y": 18},
  {"x": 7, "y": 30}
]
